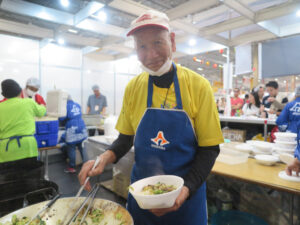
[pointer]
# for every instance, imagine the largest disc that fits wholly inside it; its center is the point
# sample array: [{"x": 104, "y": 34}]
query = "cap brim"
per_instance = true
[{"x": 146, "y": 25}]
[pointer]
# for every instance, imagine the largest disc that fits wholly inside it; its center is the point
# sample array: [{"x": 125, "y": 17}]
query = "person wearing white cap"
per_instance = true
[
  {"x": 170, "y": 117},
  {"x": 96, "y": 105},
  {"x": 31, "y": 89},
  {"x": 290, "y": 115}
]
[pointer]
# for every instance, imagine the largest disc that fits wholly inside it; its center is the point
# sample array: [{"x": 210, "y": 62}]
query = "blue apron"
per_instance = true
[{"x": 165, "y": 143}]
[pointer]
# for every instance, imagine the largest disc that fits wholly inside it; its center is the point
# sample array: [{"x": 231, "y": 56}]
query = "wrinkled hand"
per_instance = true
[
  {"x": 184, "y": 194},
  {"x": 271, "y": 99},
  {"x": 295, "y": 166},
  {"x": 86, "y": 171}
]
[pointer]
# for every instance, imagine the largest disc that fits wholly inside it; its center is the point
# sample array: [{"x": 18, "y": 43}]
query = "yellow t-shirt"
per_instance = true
[{"x": 197, "y": 101}]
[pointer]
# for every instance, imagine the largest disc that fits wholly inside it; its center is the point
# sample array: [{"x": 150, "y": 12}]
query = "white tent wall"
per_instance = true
[
  {"x": 18, "y": 59},
  {"x": 66, "y": 68}
]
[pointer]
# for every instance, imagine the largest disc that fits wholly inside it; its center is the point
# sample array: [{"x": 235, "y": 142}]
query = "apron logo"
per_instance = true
[{"x": 159, "y": 141}]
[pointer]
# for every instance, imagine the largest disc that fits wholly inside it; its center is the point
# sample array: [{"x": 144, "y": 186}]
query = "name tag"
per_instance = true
[{"x": 96, "y": 107}]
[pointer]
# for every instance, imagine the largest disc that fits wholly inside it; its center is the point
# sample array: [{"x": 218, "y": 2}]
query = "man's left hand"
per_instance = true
[{"x": 184, "y": 194}]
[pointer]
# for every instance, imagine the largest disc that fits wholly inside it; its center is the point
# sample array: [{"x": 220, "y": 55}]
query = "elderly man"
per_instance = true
[
  {"x": 96, "y": 105},
  {"x": 170, "y": 113}
]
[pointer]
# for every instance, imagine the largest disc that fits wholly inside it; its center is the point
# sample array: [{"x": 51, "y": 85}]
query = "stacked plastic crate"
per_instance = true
[{"x": 46, "y": 133}]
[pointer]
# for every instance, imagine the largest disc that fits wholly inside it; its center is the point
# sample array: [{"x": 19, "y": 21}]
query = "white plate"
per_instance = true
[
  {"x": 284, "y": 176},
  {"x": 267, "y": 160},
  {"x": 286, "y": 158}
]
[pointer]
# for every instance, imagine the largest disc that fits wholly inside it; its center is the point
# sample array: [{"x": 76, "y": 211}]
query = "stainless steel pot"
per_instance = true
[{"x": 114, "y": 214}]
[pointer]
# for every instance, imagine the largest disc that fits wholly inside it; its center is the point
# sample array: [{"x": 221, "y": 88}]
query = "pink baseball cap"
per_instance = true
[{"x": 149, "y": 18}]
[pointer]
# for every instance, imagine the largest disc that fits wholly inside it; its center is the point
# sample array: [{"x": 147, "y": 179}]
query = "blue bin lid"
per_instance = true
[{"x": 232, "y": 217}]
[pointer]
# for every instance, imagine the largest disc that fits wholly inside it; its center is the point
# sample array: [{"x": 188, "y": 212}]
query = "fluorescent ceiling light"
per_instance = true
[
  {"x": 65, "y": 3},
  {"x": 44, "y": 15},
  {"x": 199, "y": 68},
  {"x": 73, "y": 31},
  {"x": 100, "y": 16},
  {"x": 298, "y": 13},
  {"x": 61, "y": 41},
  {"x": 192, "y": 42}
]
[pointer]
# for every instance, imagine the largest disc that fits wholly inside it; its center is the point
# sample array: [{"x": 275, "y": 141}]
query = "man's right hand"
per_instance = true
[
  {"x": 86, "y": 170},
  {"x": 295, "y": 166}
]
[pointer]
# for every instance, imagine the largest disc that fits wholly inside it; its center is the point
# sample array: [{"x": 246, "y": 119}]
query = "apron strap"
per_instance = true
[
  {"x": 176, "y": 86},
  {"x": 14, "y": 137}
]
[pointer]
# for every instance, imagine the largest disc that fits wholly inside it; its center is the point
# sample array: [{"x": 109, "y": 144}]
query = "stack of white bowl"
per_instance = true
[
  {"x": 285, "y": 143},
  {"x": 261, "y": 147}
]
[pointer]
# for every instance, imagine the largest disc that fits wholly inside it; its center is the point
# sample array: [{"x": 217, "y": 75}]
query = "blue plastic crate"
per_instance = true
[
  {"x": 46, "y": 140},
  {"x": 47, "y": 127}
]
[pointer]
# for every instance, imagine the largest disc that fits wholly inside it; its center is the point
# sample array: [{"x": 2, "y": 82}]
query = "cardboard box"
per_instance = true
[{"x": 234, "y": 135}]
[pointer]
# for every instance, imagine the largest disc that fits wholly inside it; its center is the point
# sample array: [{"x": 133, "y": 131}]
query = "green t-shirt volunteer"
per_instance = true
[{"x": 17, "y": 119}]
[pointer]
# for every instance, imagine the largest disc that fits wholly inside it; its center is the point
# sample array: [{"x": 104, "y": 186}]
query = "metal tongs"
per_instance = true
[
  {"x": 45, "y": 207},
  {"x": 80, "y": 191},
  {"x": 91, "y": 197}
]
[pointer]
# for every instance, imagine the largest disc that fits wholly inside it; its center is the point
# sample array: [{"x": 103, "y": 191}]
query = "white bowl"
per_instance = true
[
  {"x": 285, "y": 136},
  {"x": 263, "y": 146},
  {"x": 165, "y": 200},
  {"x": 244, "y": 148},
  {"x": 286, "y": 144},
  {"x": 256, "y": 151},
  {"x": 286, "y": 158},
  {"x": 280, "y": 150},
  {"x": 267, "y": 160}
]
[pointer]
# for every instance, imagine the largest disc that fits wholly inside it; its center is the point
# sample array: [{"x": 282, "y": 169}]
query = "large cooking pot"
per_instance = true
[
  {"x": 114, "y": 214},
  {"x": 13, "y": 171},
  {"x": 17, "y": 194}
]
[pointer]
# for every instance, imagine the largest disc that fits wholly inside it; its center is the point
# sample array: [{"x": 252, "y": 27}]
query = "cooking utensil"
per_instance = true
[
  {"x": 91, "y": 196},
  {"x": 47, "y": 206},
  {"x": 71, "y": 207},
  {"x": 57, "y": 212}
]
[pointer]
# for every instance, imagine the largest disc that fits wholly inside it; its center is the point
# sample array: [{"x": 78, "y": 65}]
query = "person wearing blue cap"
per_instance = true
[{"x": 96, "y": 105}]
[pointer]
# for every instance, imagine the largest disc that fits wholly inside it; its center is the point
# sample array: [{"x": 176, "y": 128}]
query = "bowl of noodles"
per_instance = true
[{"x": 157, "y": 191}]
